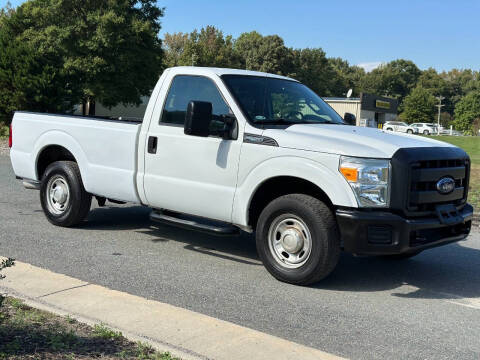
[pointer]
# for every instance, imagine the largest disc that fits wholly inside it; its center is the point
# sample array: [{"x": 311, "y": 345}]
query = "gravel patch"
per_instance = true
[{"x": 4, "y": 149}]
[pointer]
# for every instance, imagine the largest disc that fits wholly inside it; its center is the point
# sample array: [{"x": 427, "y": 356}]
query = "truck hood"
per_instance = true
[{"x": 348, "y": 140}]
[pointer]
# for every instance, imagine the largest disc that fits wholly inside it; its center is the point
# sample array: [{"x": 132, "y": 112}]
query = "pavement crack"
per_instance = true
[{"x": 63, "y": 290}]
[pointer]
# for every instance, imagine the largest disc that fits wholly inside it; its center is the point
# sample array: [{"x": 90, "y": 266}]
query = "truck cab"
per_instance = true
[{"x": 223, "y": 149}]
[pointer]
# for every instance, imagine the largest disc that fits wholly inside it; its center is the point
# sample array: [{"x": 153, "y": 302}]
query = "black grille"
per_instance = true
[{"x": 423, "y": 196}]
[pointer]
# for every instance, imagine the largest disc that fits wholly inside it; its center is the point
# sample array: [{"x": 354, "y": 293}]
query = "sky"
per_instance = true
[{"x": 440, "y": 34}]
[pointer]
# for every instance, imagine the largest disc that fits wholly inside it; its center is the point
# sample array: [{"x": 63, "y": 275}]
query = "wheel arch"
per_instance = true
[
  {"x": 277, "y": 186},
  {"x": 57, "y": 146},
  {"x": 286, "y": 175},
  {"x": 51, "y": 154}
]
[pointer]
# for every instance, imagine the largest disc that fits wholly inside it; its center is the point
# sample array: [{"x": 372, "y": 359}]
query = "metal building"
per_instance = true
[{"x": 370, "y": 110}]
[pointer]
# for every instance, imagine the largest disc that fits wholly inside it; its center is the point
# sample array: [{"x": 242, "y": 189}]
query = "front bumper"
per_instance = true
[{"x": 385, "y": 233}]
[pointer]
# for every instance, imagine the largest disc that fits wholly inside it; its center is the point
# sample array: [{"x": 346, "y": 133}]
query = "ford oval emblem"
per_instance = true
[{"x": 445, "y": 185}]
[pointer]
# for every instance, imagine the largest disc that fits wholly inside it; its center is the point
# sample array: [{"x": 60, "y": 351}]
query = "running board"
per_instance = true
[{"x": 193, "y": 222}]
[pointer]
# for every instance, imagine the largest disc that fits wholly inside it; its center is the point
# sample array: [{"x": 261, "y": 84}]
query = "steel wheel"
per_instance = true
[
  {"x": 289, "y": 241},
  {"x": 58, "y": 194}
]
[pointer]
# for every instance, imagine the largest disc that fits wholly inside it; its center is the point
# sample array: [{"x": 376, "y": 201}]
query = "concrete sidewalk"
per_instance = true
[{"x": 185, "y": 334}]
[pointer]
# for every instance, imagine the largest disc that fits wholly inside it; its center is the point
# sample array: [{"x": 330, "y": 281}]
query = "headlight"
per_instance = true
[{"x": 369, "y": 180}]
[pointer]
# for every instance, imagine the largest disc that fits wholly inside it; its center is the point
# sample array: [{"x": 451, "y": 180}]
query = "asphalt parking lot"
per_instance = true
[{"x": 369, "y": 308}]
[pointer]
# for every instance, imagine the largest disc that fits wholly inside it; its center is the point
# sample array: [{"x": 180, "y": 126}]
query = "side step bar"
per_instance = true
[{"x": 193, "y": 222}]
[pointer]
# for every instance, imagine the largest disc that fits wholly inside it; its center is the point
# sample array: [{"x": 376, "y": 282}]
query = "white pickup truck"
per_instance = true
[{"x": 221, "y": 150}]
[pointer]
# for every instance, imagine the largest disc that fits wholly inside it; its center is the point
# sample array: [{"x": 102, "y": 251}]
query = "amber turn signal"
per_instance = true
[{"x": 351, "y": 174}]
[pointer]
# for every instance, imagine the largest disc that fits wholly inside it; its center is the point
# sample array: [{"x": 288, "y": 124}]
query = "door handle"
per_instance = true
[{"x": 152, "y": 144}]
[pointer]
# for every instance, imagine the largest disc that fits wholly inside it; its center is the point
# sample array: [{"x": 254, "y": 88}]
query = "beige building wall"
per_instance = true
[{"x": 342, "y": 106}]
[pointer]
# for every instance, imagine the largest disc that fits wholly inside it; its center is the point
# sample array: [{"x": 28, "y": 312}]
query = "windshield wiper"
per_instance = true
[
  {"x": 274, "y": 121},
  {"x": 283, "y": 121}
]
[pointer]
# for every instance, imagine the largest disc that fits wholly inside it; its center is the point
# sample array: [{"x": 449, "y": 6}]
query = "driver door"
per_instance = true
[{"x": 191, "y": 174}]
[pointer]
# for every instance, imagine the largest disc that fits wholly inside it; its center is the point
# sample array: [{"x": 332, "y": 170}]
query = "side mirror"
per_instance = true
[
  {"x": 350, "y": 119},
  {"x": 198, "y": 118}
]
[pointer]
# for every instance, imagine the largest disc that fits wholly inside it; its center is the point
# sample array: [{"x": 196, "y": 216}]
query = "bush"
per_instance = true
[
  {"x": 3, "y": 265},
  {"x": 3, "y": 130}
]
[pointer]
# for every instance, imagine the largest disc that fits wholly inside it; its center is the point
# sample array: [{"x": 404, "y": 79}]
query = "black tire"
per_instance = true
[
  {"x": 389, "y": 129},
  {"x": 404, "y": 256},
  {"x": 78, "y": 204},
  {"x": 426, "y": 132},
  {"x": 325, "y": 239},
  {"x": 409, "y": 131}
]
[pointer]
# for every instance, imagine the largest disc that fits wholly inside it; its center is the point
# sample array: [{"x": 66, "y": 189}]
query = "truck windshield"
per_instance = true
[{"x": 276, "y": 102}]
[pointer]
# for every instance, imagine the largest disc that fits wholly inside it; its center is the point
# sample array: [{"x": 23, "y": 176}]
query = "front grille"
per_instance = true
[{"x": 423, "y": 196}]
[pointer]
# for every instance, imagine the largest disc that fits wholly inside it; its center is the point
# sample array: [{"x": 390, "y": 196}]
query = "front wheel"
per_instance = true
[
  {"x": 297, "y": 239},
  {"x": 409, "y": 131},
  {"x": 62, "y": 195},
  {"x": 426, "y": 132}
]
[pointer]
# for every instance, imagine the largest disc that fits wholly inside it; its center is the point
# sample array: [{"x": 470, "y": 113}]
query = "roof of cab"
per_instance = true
[{"x": 223, "y": 71}]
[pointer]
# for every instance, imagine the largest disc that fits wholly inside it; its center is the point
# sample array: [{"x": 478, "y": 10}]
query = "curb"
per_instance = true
[
  {"x": 160, "y": 346},
  {"x": 183, "y": 333}
]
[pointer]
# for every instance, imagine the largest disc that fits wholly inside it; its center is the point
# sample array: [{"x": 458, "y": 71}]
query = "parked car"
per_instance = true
[
  {"x": 223, "y": 150},
  {"x": 399, "y": 126},
  {"x": 426, "y": 128}
]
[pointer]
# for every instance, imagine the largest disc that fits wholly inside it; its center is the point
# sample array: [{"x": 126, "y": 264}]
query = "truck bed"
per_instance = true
[{"x": 105, "y": 149}]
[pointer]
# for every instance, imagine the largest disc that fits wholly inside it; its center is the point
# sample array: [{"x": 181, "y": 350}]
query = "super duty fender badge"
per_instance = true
[{"x": 259, "y": 139}]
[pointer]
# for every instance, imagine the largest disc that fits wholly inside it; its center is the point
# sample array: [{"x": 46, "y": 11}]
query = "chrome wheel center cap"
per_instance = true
[
  {"x": 292, "y": 241},
  {"x": 59, "y": 195}
]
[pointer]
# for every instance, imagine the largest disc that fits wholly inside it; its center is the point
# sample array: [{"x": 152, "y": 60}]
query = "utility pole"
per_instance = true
[{"x": 439, "y": 98}]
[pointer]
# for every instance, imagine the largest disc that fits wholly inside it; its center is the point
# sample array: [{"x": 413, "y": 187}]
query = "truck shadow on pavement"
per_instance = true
[
  {"x": 448, "y": 272},
  {"x": 239, "y": 248}
]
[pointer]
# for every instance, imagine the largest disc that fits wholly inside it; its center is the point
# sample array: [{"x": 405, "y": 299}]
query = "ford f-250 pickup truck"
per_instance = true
[{"x": 220, "y": 150}]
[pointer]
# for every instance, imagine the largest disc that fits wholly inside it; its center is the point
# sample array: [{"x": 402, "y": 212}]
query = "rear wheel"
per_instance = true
[
  {"x": 426, "y": 132},
  {"x": 62, "y": 195},
  {"x": 297, "y": 239}
]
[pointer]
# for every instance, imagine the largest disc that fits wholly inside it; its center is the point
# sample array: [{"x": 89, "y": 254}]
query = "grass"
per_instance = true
[
  {"x": 103, "y": 332},
  {"x": 28, "y": 333},
  {"x": 471, "y": 144}
]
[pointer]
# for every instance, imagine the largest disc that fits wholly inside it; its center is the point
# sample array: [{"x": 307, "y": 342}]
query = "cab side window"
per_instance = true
[{"x": 186, "y": 88}]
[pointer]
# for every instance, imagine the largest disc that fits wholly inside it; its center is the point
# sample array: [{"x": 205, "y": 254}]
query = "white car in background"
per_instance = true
[
  {"x": 426, "y": 128},
  {"x": 399, "y": 126}
]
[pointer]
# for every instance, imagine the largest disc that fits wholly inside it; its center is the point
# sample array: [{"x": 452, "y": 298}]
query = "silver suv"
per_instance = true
[
  {"x": 399, "y": 126},
  {"x": 426, "y": 128}
]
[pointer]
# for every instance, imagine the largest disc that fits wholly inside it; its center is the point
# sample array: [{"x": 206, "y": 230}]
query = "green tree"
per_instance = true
[
  {"x": 347, "y": 77},
  {"x": 29, "y": 81},
  {"x": 207, "y": 47},
  {"x": 467, "y": 111},
  {"x": 395, "y": 79},
  {"x": 110, "y": 48},
  {"x": 174, "y": 46},
  {"x": 264, "y": 53},
  {"x": 460, "y": 83},
  {"x": 419, "y": 106},
  {"x": 311, "y": 67}
]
